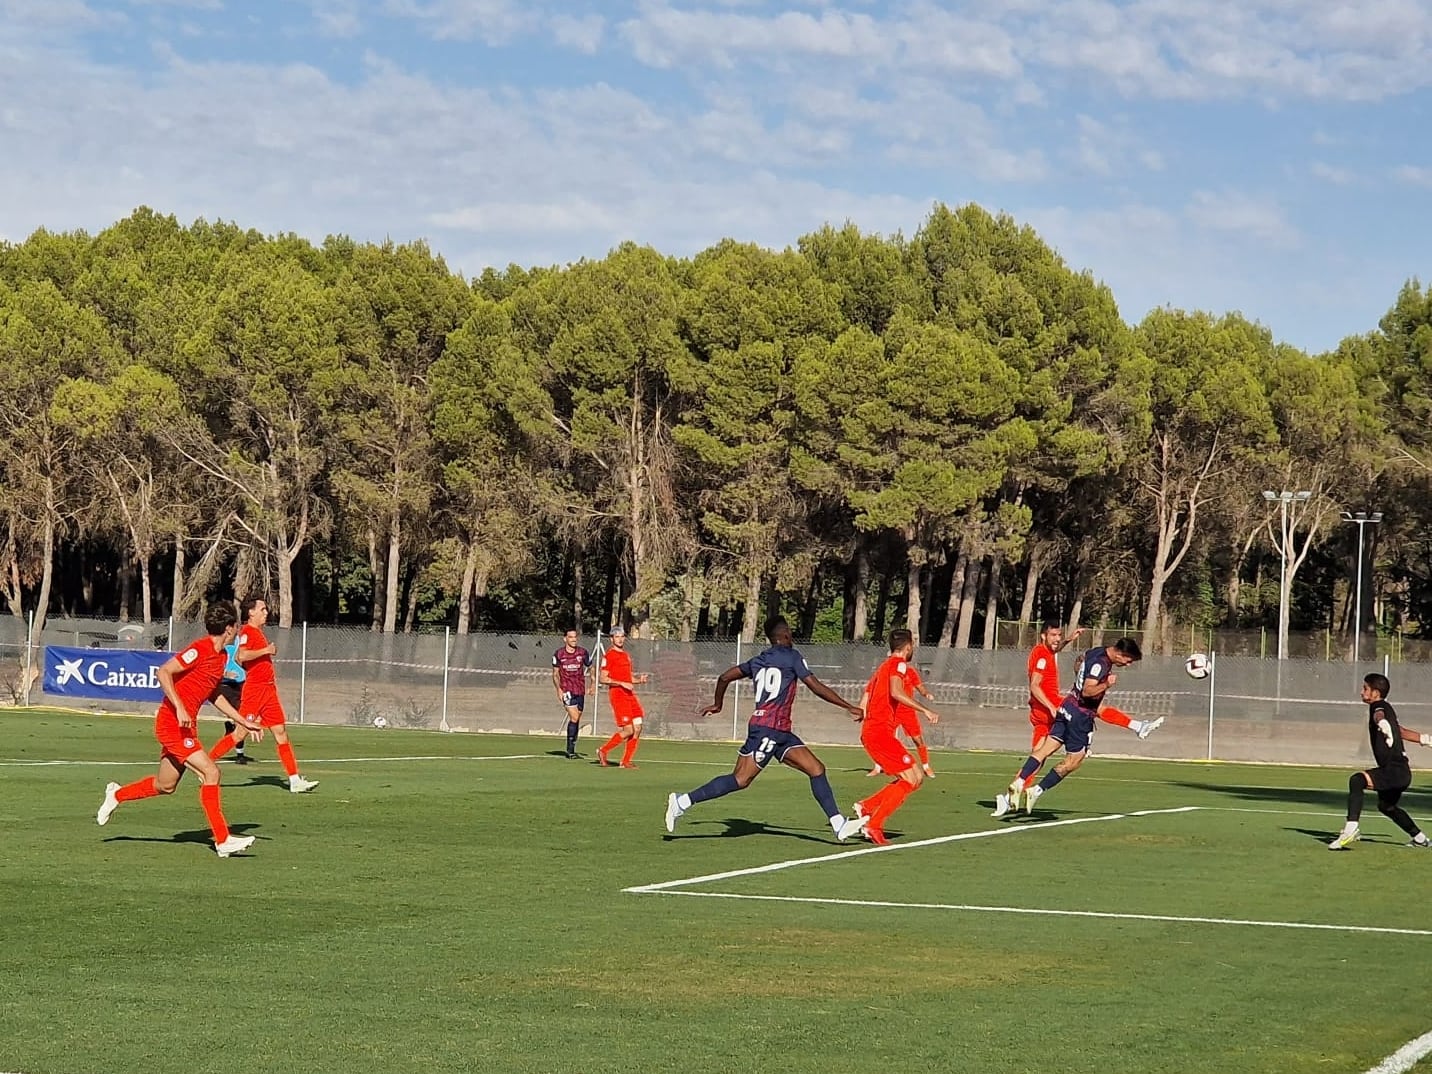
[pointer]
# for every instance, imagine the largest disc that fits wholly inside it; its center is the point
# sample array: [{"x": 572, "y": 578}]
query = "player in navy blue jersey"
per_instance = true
[
  {"x": 1391, "y": 775},
  {"x": 1073, "y": 726},
  {"x": 775, "y": 674}
]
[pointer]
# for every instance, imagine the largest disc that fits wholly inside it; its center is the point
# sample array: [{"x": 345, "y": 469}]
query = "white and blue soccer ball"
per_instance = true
[
  {"x": 1196, "y": 665},
  {"x": 380, "y": 722}
]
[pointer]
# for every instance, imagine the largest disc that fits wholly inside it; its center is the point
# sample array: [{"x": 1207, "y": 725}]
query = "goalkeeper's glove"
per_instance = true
[
  {"x": 1425, "y": 740},
  {"x": 1386, "y": 729}
]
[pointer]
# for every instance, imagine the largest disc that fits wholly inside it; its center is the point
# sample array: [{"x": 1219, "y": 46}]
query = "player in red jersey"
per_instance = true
[
  {"x": 616, "y": 675},
  {"x": 259, "y": 700},
  {"x": 569, "y": 676},
  {"x": 909, "y": 721},
  {"x": 1044, "y": 693},
  {"x": 888, "y": 689},
  {"x": 188, "y": 679}
]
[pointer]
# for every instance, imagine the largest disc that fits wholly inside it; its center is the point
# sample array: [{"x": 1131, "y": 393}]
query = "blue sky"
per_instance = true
[{"x": 1269, "y": 156}]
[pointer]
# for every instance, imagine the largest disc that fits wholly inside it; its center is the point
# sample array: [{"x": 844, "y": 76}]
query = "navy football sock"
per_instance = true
[
  {"x": 572, "y": 729},
  {"x": 1051, "y": 779},
  {"x": 721, "y": 785},
  {"x": 820, "y": 787}
]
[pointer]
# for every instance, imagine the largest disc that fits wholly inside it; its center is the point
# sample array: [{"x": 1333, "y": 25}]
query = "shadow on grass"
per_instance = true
[
  {"x": 200, "y": 836},
  {"x": 265, "y": 781},
  {"x": 1333, "y": 797},
  {"x": 739, "y": 828},
  {"x": 1327, "y": 836}
]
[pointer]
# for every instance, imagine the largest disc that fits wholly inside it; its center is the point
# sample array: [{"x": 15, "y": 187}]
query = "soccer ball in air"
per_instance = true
[
  {"x": 381, "y": 722},
  {"x": 1196, "y": 665}
]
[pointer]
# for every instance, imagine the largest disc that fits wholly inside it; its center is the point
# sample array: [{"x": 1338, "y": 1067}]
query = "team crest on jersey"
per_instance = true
[{"x": 189, "y": 656}]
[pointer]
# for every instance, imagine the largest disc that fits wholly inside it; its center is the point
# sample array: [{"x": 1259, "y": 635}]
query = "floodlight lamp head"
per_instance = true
[
  {"x": 1302, "y": 496},
  {"x": 1270, "y": 496},
  {"x": 1376, "y": 516},
  {"x": 1348, "y": 516}
]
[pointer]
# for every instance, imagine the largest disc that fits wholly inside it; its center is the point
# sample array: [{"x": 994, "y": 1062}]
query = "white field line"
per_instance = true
[
  {"x": 1406, "y": 1057},
  {"x": 1033, "y": 912},
  {"x": 7, "y": 763},
  {"x": 991, "y": 833}
]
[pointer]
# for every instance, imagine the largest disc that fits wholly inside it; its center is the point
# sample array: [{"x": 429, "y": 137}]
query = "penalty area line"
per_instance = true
[
  {"x": 1406, "y": 1057},
  {"x": 1425, "y": 1041},
  {"x": 667, "y": 885}
]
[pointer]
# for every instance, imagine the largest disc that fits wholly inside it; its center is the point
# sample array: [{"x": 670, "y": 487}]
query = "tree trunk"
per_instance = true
[
  {"x": 126, "y": 588},
  {"x": 991, "y": 624},
  {"x": 577, "y": 594},
  {"x": 410, "y": 611},
  {"x": 753, "y": 605},
  {"x": 968, "y": 592},
  {"x": 913, "y": 597},
  {"x": 176, "y": 602},
  {"x": 393, "y": 575},
  {"x": 145, "y": 596},
  {"x": 810, "y": 608},
  {"x": 465, "y": 601},
  {"x": 952, "y": 604},
  {"x": 927, "y": 585},
  {"x": 692, "y": 593},
  {"x": 861, "y": 582},
  {"x": 375, "y": 567},
  {"x": 882, "y": 601},
  {"x": 1031, "y": 588},
  {"x": 47, "y": 568}
]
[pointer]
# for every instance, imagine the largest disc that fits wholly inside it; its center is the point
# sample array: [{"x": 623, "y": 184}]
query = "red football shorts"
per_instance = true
[
  {"x": 1040, "y": 722},
  {"x": 625, "y": 708},
  {"x": 885, "y": 749},
  {"x": 178, "y": 742},
  {"x": 265, "y": 707},
  {"x": 910, "y": 722}
]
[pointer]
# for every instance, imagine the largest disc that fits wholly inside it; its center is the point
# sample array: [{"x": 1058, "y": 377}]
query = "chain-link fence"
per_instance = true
[
  {"x": 1325, "y": 645},
  {"x": 1296, "y": 710}
]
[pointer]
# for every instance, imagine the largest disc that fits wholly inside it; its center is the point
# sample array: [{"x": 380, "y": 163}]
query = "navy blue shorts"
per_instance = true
[
  {"x": 765, "y": 743},
  {"x": 574, "y": 701},
  {"x": 1074, "y": 729}
]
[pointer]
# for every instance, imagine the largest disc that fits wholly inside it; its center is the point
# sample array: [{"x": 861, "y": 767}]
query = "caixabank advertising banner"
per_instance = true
[{"x": 112, "y": 674}]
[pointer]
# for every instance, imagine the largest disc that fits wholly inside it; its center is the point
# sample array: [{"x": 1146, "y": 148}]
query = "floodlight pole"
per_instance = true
[{"x": 1360, "y": 519}]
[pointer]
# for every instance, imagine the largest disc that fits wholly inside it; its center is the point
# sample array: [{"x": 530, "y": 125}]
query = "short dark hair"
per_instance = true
[
  {"x": 1378, "y": 682},
  {"x": 1129, "y": 647},
  {"x": 773, "y": 624},
  {"x": 900, "y": 638},
  {"x": 219, "y": 616},
  {"x": 1047, "y": 627},
  {"x": 248, "y": 605}
]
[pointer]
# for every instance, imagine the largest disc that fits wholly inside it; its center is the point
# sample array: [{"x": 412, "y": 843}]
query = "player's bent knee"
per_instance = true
[{"x": 1357, "y": 781}]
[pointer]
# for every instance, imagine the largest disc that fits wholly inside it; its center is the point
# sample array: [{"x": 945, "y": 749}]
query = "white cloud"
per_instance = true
[
  {"x": 1413, "y": 175},
  {"x": 1331, "y": 174},
  {"x": 337, "y": 18},
  {"x": 494, "y": 22},
  {"x": 1241, "y": 214}
]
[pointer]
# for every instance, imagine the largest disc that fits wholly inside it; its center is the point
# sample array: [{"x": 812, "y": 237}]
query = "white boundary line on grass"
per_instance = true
[
  {"x": 646, "y": 889},
  {"x": 1406, "y": 1057},
  {"x": 307, "y": 760},
  {"x": 972, "y": 908},
  {"x": 671, "y": 887}
]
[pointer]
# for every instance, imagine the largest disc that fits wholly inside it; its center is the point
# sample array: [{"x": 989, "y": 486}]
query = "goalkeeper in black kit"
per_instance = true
[{"x": 1392, "y": 776}]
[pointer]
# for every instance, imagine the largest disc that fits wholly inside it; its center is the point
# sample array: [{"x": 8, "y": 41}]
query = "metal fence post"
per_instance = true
[
  {"x": 303, "y": 672},
  {"x": 1212, "y": 675},
  {"x": 736, "y": 698},
  {"x": 447, "y": 642},
  {"x": 29, "y": 656}
]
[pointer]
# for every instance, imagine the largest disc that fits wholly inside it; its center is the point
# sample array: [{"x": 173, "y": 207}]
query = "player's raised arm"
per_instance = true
[
  {"x": 725, "y": 679},
  {"x": 826, "y": 694}
]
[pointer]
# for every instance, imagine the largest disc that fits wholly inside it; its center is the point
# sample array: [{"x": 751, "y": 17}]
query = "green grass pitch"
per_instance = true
[{"x": 447, "y": 903}]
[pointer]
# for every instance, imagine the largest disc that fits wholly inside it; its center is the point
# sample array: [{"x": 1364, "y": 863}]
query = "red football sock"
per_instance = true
[
  {"x": 895, "y": 797},
  {"x": 285, "y": 754},
  {"x": 1117, "y": 717},
  {"x": 611, "y": 743},
  {"x": 209, "y": 799},
  {"x": 924, "y": 752},
  {"x": 630, "y": 750},
  {"x": 223, "y": 746},
  {"x": 132, "y": 792},
  {"x": 872, "y": 805}
]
